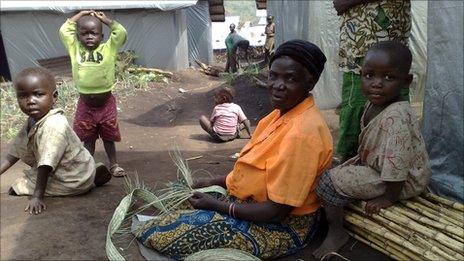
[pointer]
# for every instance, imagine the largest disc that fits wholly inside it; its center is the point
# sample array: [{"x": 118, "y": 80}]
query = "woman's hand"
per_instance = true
[
  {"x": 35, "y": 206},
  {"x": 202, "y": 183},
  {"x": 203, "y": 201}
]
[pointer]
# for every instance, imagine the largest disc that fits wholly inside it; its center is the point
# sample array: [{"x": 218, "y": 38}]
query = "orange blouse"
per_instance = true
[{"x": 284, "y": 159}]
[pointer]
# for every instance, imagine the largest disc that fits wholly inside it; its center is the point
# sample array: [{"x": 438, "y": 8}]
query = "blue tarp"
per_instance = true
[{"x": 443, "y": 103}]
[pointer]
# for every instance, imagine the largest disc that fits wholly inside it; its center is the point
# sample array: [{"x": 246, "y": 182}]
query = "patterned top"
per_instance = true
[
  {"x": 366, "y": 24},
  {"x": 52, "y": 142},
  {"x": 392, "y": 146},
  {"x": 284, "y": 159}
]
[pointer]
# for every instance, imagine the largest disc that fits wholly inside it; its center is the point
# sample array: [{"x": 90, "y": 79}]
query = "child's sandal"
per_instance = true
[{"x": 117, "y": 171}]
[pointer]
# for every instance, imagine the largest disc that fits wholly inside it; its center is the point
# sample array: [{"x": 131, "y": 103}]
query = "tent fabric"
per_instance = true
[
  {"x": 199, "y": 29},
  {"x": 161, "y": 39},
  {"x": 317, "y": 21},
  {"x": 444, "y": 94},
  {"x": 40, "y": 40},
  {"x": 70, "y": 6}
]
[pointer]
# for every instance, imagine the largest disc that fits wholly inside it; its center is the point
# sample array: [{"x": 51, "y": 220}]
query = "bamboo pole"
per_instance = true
[
  {"x": 383, "y": 232},
  {"x": 454, "y": 215},
  {"x": 377, "y": 244},
  {"x": 458, "y": 238},
  {"x": 433, "y": 197},
  {"x": 414, "y": 237},
  {"x": 438, "y": 236},
  {"x": 411, "y": 224},
  {"x": 430, "y": 213},
  {"x": 458, "y": 231}
]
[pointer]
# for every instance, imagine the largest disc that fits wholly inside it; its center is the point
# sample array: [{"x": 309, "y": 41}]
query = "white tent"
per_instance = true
[{"x": 157, "y": 30}]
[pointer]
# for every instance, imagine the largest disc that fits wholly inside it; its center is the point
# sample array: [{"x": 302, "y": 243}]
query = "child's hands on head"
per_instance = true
[
  {"x": 102, "y": 17},
  {"x": 86, "y": 12}
]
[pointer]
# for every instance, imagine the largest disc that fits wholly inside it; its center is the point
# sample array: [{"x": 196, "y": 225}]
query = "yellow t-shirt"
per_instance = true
[
  {"x": 93, "y": 71},
  {"x": 284, "y": 159}
]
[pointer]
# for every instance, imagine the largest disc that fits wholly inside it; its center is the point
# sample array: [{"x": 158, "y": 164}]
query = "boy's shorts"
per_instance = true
[
  {"x": 326, "y": 191},
  {"x": 223, "y": 138},
  {"x": 90, "y": 123}
]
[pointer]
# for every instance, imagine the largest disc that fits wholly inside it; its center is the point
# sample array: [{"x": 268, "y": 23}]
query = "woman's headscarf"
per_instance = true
[{"x": 304, "y": 52}]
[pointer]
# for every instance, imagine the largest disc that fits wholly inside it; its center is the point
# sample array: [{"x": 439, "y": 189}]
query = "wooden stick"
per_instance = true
[
  {"x": 427, "y": 221},
  {"x": 383, "y": 232},
  {"x": 444, "y": 201},
  {"x": 411, "y": 224},
  {"x": 143, "y": 69},
  {"x": 390, "y": 249},
  {"x": 413, "y": 237},
  {"x": 194, "y": 158},
  {"x": 430, "y": 213},
  {"x": 457, "y": 216},
  {"x": 428, "y": 232}
]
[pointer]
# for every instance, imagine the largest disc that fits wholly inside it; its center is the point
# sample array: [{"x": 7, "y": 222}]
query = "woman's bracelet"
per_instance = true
[
  {"x": 233, "y": 210},
  {"x": 230, "y": 208}
]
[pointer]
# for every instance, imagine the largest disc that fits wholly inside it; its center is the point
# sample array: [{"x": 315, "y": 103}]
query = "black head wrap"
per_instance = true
[{"x": 304, "y": 52}]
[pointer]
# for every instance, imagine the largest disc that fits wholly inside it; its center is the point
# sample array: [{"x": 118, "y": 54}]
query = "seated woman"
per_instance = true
[{"x": 272, "y": 208}]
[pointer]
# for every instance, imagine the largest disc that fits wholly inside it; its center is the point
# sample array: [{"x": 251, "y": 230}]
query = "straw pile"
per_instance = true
[
  {"x": 163, "y": 201},
  {"x": 427, "y": 227}
]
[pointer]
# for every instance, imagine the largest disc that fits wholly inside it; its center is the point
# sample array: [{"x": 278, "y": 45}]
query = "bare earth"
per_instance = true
[{"x": 151, "y": 123}]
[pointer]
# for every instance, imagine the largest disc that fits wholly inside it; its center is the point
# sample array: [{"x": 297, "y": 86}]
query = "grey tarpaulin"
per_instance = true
[
  {"x": 317, "y": 22},
  {"x": 443, "y": 104},
  {"x": 70, "y": 6},
  {"x": 199, "y": 33},
  {"x": 157, "y": 30}
]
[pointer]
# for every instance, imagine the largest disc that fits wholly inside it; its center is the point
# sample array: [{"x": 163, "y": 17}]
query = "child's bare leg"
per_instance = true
[
  {"x": 336, "y": 236},
  {"x": 90, "y": 146},
  {"x": 206, "y": 124},
  {"x": 110, "y": 149}
]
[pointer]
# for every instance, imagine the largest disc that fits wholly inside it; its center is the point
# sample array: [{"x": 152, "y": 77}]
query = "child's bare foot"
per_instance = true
[
  {"x": 102, "y": 175},
  {"x": 117, "y": 171},
  {"x": 334, "y": 240}
]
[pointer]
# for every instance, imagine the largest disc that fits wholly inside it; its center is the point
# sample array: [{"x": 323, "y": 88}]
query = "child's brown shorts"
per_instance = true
[{"x": 93, "y": 122}]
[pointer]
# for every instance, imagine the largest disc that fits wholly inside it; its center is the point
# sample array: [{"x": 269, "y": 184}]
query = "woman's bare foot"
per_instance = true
[
  {"x": 335, "y": 239},
  {"x": 102, "y": 175}
]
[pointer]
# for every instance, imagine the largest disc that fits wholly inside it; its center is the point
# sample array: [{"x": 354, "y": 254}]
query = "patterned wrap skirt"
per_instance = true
[{"x": 184, "y": 232}]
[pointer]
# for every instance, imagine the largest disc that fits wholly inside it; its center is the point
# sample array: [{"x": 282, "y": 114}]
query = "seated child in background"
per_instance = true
[
  {"x": 392, "y": 161},
  {"x": 60, "y": 165},
  {"x": 93, "y": 69},
  {"x": 224, "y": 123}
]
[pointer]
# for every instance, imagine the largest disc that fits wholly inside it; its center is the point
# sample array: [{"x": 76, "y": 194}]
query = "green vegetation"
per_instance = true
[
  {"x": 12, "y": 119},
  {"x": 246, "y": 9},
  {"x": 248, "y": 71}
]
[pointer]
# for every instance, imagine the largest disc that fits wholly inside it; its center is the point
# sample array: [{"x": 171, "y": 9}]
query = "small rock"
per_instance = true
[
  {"x": 131, "y": 147},
  {"x": 181, "y": 90}
]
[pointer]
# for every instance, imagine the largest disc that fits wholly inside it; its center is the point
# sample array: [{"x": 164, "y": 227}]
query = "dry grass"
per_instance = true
[{"x": 128, "y": 84}]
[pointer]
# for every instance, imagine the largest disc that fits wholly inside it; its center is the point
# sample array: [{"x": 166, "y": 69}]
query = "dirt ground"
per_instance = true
[{"x": 151, "y": 124}]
